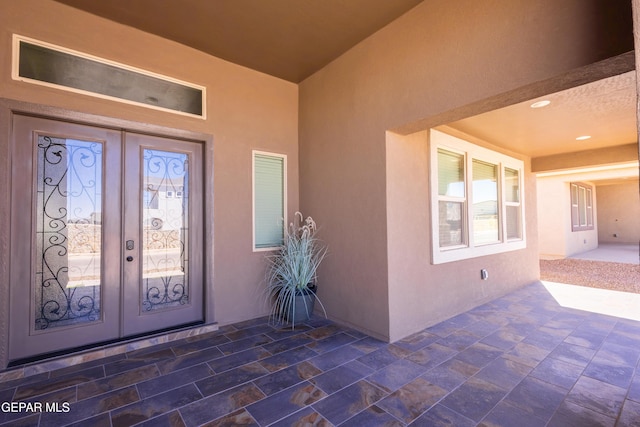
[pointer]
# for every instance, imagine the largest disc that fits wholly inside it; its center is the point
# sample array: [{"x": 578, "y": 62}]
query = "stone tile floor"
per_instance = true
[{"x": 521, "y": 360}]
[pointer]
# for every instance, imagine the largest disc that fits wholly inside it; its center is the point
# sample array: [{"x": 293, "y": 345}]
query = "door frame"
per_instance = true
[{"x": 9, "y": 108}]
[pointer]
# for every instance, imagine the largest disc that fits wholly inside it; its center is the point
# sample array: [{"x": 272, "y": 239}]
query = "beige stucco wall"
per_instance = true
[
  {"x": 619, "y": 212},
  {"x": 439, "y": 57},
  {"x": 246, "y": 110},
  {"x": 554, "y": 220}
]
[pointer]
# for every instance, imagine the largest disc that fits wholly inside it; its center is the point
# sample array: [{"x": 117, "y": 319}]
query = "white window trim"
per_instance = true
[
  {"x": 15, "y": 75},
  {"x": 440, "y": 140},
  {"x": 253, "y": 197},
  {"x": 588, "y": 207}
]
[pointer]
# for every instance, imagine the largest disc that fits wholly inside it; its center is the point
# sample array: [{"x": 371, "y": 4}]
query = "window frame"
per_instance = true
[
  {"x": 255, "y": 153},
  {"x": 587, "y": 209},
  {"x": 440, "y": 140}
]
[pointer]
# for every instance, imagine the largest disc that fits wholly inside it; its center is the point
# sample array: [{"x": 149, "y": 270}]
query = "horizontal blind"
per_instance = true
[{"x": 268, "y": 200}]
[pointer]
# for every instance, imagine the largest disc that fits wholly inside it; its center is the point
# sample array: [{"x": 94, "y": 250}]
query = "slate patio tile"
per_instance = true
[
  {"x": 90, "y": 407},
  {"x": 336, "y": 357},
  {"x": 331, "y": 342},
  {"x": 186, "y": 347},
  {"x": 232, "y": 347},
  {"x": 546, "y": 338},
  {"x": 441, "y": 416},
  {"x": 609, "y": 373},
  {"x": 502, "y": 339},
  {"x": 287, "y": 358},
  {"x": 191, "y": 359},
  {"x": 132, "y": 362},
  {"x": 235, "y": 419},
  {"x": 598, "y": 396},
  {"x": 225, "y": 363},
  {"x": 474, "y": 399},
  {"x": 589, "y": 339},
  {"x": 577, "y": 355},
  {"x": 634, "y": 389},
  {"x": 154, "y": 406},
  {"x": 304, "y": 417},
  {"x": 458, "y": 340},
  {"x": 341, "y": 376},
  {"x": 557, "y": 372},
  {"x": 450, "y": 374},
  {"x": 85, "y": 365},
  {"x": 431, "y": 355},
  {"x": 102, "y": 420},
  {"x": 288, "y": 343},
  {"x": 58, "y": 383},
  {"x": 443, "y": 329},
  {"x": 536, "y": 397},
  {"x": 623, "y": 338},
  {"x": 349, "y": 401},
  {"x": 24, "y": 381},
  {"x": 372, "y": 416},
  {"x": 479, "y": 354},
  {"x": 417, "y": 341},
  {"x": 173, "y": 380},
  {"x": 25, "y": 420},
  {"x": 615, "y": 354},
  {"x": 412, "y": 400},
  {"x": 231, "y": 378},
  {"x": 284, "y": 403},
  {"x": 240, "y": 334},
  {"x": 368, "y": 345},
  {"x": 393, "y": 376},
  {"x": 504, "y": 373},
  {"x": 572, "y": 415},
  {"x": 219, "y": 405},
  {"x": 170, "y": 419},
  {"x": 481, "y": 328},
  {"x": 325, "y": 331},
  {"x": 287, "y": 377},
  {"x": 630, "y": 416},
  {"x": 384, "y": 356},
  {"x": 103, "y": 385},
  {"x": 505, "y": 414},
  {"x": 282, "y": 333},
  {"x": 527, "y": 354}
]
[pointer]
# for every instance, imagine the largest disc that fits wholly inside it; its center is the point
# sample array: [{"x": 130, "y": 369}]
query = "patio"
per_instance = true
[{"x": 522, "y": 359}]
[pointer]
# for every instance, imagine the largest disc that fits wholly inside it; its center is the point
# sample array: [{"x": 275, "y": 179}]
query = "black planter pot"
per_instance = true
[{"x": 302, "y": 307}]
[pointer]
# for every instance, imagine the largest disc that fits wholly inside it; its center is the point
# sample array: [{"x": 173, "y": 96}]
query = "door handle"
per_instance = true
[
  {"x": 129, "y": 258},
  {"x": 129, "y": 245}
]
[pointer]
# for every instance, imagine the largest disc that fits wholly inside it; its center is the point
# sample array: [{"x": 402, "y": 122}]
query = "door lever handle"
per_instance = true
[{"x": 129, "y": 258}]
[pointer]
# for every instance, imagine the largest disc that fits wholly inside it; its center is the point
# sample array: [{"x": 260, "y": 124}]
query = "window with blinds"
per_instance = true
[
  {"x": 269, "y": 200},
  {"x": 477, "y": 195},
  {"x": 581, "y": 207}
]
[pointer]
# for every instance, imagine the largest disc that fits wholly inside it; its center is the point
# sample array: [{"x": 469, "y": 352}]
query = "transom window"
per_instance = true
[{"x": 477, "y": 200}]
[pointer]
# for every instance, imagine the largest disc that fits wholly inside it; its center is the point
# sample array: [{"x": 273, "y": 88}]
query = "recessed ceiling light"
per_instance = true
[
  {"x": 540, "y": 104},
  {"x": 583, "y": 137}
]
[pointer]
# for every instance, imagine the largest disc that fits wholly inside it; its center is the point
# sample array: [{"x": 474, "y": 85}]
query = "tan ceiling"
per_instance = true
[
  {"x": 604, "y": 109},
  {"x": 290, "y": 39}
]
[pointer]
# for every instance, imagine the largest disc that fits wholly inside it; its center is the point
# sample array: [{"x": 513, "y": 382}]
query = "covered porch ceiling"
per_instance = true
[{"x": 292, "y": 39}]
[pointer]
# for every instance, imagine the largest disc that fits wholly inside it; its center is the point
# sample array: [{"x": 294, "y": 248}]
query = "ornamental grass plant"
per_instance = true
[{"x": 292, "y": 272}]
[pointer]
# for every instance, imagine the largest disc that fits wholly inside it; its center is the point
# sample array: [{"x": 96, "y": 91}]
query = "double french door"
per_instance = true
[{"x": 106, "y": 235}]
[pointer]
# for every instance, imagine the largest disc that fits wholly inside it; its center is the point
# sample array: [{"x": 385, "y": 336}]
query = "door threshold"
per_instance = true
[{"x": 29, "y": 368}]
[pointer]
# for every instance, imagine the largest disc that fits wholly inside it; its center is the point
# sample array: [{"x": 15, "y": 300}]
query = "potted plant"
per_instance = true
[{"x": 292, "y": 272}]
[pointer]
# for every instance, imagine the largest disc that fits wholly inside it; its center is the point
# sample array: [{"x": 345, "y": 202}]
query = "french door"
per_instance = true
[{"x": 106, "y": 235}]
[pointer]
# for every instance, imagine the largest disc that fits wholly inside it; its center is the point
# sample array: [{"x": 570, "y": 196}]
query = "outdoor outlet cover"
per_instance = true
[{"x": 484, "y": 274}]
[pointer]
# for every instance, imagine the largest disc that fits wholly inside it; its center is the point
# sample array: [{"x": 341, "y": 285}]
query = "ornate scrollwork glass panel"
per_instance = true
[
  {"x": 165, "y": 204},
  {"x": 68, "y": 232}
]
